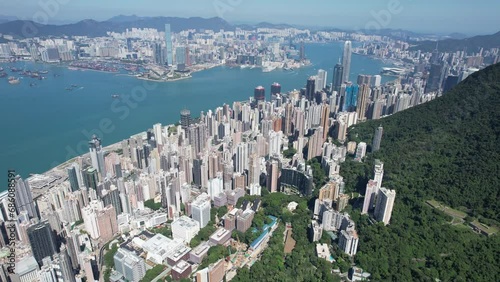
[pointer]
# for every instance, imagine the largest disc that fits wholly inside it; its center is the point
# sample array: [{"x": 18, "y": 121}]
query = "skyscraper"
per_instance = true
[
  {"x": 348, "y": 242},
  {"x": 168, "y": 41},
  {"x": 346, "y": 60},
  {"x": 338, "y": 77},
  {"x": 200, "y": 209},
  {"x": 197, "y": 135},
  {"x": 24, "y": 198},
  {"x": 97, "y": 155},
  {"x": 63, "y": 265},
  {"x": 371, "y": 187},
  {"x": 377, "y": 80},
  {"x": 275, "y": 89},
  {"x": 180, "y": 57},
  {"x": 450, "y": 82},
  {"x": 259, "y": 94},
  {"x": 106, "y": 222},
  {"x": 42, "y": 241},
  {"x": 378, "y": 172},
  {"x": 273, "y": 174},
  {"x": 72, "y": 177},
  {"x": 159, "y": 53},
  {"x": 364, "y": 79},
  {"x": 360, "y": 151},
  {"x": 310, "y": 88},
  {"x": 377, "y": 139},
  {"x": 90, "y": 178},
  {"x": 185, "y": 118},
  {"x": 362, "y": 101},
  {"x": 385, "y": 203},
  {"x": 130, "y": 265},
  {"x": 351, "y": 98},
  {"x": 436, "y": 77},
  {"x": 321, "y": 81}
]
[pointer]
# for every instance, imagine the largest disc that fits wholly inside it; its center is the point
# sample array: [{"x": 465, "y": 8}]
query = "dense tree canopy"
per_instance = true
[
  {"x": 447, "y": 150},
  {"x": 302, "y": 264}
]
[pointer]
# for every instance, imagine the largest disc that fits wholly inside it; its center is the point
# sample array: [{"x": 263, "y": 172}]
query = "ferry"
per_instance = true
[
  {"x": 115, "y": 96},
  {"x": 43, "y": 72}
]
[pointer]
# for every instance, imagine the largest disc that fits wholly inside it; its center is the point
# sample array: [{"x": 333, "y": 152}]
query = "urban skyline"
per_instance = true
[
  {"x": 255, "y": 183},
  {"x": 337, "y": 14}
]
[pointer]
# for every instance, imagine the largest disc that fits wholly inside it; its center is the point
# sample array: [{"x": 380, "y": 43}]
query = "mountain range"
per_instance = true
[
  {"x": 20, "y": 29},
  {"x": 94, "y": 28},
  {"x": 471, "y": 44}
]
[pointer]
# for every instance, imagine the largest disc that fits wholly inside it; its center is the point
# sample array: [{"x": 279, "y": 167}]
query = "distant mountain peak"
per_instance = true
[{"x": 93, "y": 28}]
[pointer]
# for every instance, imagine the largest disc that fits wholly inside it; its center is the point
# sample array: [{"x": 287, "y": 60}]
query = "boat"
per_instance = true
[
  {"x": 13, "y": 69},
  {"x": 13, "y": 80},
  {"x": 3, "y": 74},
  {"x": 43, "y": 72},
  {"x": 1, "y": 69},
  {"x": 32, "y": 84},
  {"x": 115, "y": 96}
]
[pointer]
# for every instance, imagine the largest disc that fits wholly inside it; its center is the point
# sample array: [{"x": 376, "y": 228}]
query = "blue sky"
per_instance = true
[{"x": 438, "y": 16}]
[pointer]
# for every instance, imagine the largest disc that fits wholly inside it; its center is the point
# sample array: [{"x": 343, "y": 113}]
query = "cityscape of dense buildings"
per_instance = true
[{"x": 66, "y": 218}]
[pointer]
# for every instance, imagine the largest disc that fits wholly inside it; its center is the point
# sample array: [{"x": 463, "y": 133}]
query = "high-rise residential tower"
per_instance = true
[
  {"x": 385, "y": 203},
  {"x": 377, "y": 138},
  {"x": 363, "y": 100},
  {"x": 321, "y": 80}
]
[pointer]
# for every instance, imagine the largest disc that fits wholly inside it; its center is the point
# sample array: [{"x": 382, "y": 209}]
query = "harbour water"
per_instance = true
[{"x": 43, "y": 123}]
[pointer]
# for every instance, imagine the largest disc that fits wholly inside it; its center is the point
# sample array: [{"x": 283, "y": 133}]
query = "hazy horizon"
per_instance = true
[{"x": 453, "y": 16}]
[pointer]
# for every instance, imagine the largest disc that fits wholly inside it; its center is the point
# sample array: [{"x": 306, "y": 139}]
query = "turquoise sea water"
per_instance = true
[{"x": 44, "y": 125}]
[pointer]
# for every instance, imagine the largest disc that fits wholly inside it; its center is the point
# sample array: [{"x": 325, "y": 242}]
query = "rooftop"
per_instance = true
[
  {"x": 185, "y": 222},
  {"x": 181, "y": 266}
]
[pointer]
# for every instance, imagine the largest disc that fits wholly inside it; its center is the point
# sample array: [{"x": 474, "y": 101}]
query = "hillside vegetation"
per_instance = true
[{"x": 448, "y": 150}]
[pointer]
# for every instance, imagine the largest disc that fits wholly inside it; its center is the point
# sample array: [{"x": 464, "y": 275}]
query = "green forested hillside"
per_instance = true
[{"x": 447, "y": 150}]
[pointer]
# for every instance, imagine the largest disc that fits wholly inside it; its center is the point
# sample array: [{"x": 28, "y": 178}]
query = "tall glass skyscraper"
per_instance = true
[
  {"x": 168, "y": 41},
  {"x": 24, "y": 198},
  {"x": 346, "y": 60},
  {"x": 351, "y": 98},
  {"x": 42, "y": 241},
  {"x": 338, "y": 76}
]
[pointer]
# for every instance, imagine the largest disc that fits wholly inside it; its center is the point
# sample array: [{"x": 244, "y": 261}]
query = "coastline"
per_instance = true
[
  {"x": 162, "y": 80},
  {"x": 47, "y": 170},
  {"x": 59, "y": 170}
]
